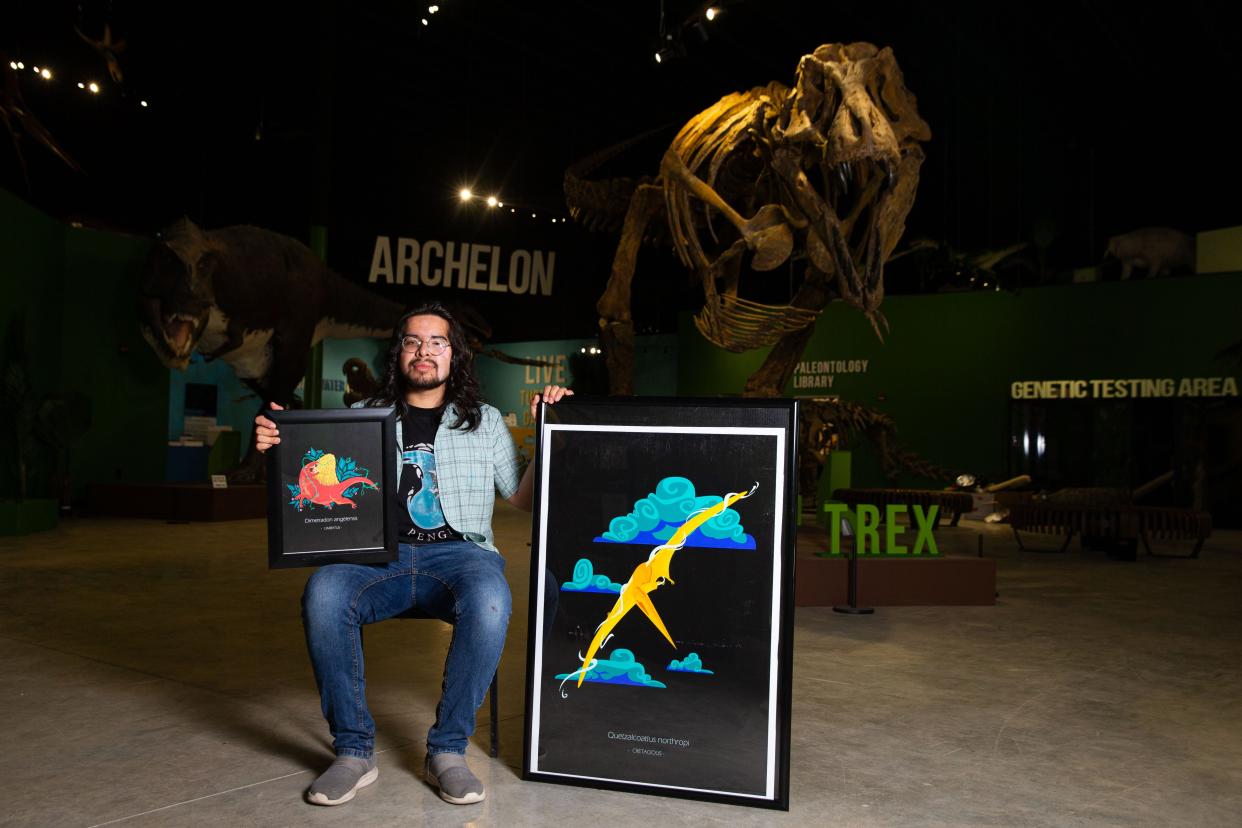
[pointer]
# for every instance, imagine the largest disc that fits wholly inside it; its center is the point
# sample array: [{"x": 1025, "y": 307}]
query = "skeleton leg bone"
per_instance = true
[
  {"x": 778, "y": 367},
  {"x": 616, "y": 324}
]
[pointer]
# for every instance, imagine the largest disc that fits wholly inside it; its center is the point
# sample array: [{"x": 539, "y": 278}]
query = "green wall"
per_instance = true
[
  {"x": 943, "y": 373},
  {"x": 76, "y": 291},
  {"x": 31, "y": 268},
  {"x": 945, "y": 369}
]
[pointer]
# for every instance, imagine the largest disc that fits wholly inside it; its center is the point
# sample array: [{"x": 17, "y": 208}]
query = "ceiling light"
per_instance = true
[
  {"x": 464, "y": 194},
  {"x": 712, "y": 13},
  {"x": 94, "y": 87},
  {"x": 432, "y": 9},
  {"x": 46, "y": 74},
  {"x": 425, "y": 23},
  {"x": 492, "y": 201}
]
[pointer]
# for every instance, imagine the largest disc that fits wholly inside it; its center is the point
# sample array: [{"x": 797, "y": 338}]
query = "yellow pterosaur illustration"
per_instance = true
[{"x": 650, "y": 575}]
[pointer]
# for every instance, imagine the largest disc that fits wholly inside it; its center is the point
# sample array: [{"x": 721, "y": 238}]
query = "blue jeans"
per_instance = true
[{"x": 456, "y": 581}]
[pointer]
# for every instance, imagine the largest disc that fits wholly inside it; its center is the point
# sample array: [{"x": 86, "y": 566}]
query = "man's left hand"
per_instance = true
[{"x": 551, "y": 394}]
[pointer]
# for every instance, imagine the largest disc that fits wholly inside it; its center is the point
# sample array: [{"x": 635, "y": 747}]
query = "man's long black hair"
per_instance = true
[{"x": 462, "y": 388}]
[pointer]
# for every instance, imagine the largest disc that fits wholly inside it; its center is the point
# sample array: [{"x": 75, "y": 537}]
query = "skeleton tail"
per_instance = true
[{"x": 600, "y": 204}]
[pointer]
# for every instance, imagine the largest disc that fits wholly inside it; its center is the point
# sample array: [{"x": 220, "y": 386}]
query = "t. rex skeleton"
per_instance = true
[{"x": 828, "y": 167}]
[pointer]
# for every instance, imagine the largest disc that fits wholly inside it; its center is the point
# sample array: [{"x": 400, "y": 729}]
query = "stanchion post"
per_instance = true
[{"x": 852, "y": 607}]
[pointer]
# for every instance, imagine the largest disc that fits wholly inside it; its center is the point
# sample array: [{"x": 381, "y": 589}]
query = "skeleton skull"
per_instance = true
[{"x": 830, "y": 165}]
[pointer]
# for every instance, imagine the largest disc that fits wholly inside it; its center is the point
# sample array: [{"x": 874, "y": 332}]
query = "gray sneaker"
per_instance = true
[
  {"x": 450, "y": 774},
  {"x": 338, "y": 784}
]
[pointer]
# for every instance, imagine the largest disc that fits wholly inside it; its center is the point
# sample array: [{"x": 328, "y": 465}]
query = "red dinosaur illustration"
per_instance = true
[{"x": 318, "y": 484}]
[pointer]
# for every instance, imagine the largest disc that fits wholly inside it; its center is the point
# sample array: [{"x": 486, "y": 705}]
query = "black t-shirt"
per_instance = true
[{"x": 422, "y": 519}]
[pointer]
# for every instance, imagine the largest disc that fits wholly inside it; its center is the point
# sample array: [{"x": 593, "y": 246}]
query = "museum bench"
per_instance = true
[
  {"x": 1111, "y": 522},
  {"x": 1119, "y": 522},
  {"x": 1169, "y": 524}
]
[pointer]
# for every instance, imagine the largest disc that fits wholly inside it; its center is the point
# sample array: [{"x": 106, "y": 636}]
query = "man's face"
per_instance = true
[{"x": 422, "y": 369}]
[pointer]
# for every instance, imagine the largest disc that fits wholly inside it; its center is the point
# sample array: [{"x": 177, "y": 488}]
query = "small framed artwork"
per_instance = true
[
  {"x": 327, "y": 487},
  {"x": 661, "y": 618}
]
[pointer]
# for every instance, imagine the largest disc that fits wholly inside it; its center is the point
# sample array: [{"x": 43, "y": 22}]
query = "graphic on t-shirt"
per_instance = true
[{"x": 422, "y": 493}]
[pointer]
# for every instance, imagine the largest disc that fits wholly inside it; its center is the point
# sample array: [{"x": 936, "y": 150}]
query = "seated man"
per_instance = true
[{"x": 455, "y": 454}]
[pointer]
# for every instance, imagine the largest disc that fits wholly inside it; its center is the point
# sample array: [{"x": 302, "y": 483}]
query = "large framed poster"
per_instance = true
[
  {"x": 660, "y": 644},
  {"x": 327, "y": 487}
]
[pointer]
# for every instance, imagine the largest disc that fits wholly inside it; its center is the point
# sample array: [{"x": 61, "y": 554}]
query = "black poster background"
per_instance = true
[
  {"x": 318, "y": 528},
  {"x": 715, "y": 727}
]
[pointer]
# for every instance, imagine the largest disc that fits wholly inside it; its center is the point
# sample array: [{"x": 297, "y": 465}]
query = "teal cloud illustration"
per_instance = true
[
  {"x": 619, "y": 668},
  {"x": 585, "y": 580},
  {"x": 690, "y": 664},
  {"x": 657, "y": 516}
]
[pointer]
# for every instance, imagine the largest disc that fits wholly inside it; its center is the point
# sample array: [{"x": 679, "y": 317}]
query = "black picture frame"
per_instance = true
[
  {"x": 355, "y": 524},
  {"x": 620, "y": 482}
]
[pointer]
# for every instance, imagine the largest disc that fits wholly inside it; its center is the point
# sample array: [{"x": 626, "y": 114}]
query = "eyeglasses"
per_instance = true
[{"x": 434, "y": 346}]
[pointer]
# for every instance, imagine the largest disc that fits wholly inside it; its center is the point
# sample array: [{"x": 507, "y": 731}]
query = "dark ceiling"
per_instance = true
[{"x": 1064, "y": 121}]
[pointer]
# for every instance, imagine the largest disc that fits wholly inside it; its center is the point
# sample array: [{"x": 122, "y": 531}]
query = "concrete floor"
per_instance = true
[{"x": 155, "y": 674}]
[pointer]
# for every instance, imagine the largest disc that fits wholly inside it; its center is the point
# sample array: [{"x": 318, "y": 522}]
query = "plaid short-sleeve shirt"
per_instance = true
[{"x": 471, "y": 467}]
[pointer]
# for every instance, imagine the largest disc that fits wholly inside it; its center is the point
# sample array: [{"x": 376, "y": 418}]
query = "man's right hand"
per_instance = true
[{"x": 266, "y": 434}]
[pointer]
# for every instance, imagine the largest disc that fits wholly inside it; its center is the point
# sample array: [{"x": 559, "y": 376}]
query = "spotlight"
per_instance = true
[
  {"x": 81, "y": 85},
  {"x": 712, "y": 13},
  {"x": 669, "y": 50},
  {"x": 13, "y": 65},
  {"x": 35, "y": 69},
  {"x": 21, "y": 65},
  {"x": 425, "y": 23},
  {"x": 94, "y": 87},
  {"x": 492, "y": 201},
  {"x": 464, "y": 194},
  {"x": 502, "y": 204},
  {"x": 532, "y": 215},
  {"x": 46, "y": 74},
  {"x": 432, "y": 9},
  {"x": 143, "y": 104}
]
